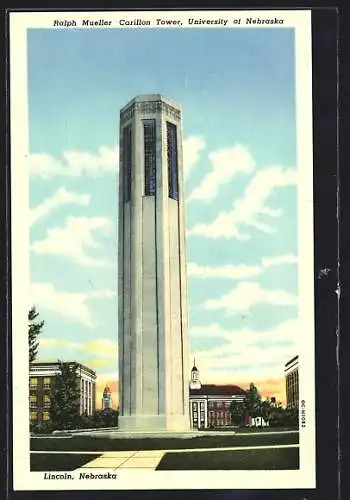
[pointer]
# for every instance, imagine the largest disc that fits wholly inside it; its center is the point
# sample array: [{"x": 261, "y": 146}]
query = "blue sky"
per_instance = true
[{"x": 237, "y": 91}]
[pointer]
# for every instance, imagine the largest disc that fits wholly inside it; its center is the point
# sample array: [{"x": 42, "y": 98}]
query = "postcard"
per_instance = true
[{"x": 162, "y": 250}]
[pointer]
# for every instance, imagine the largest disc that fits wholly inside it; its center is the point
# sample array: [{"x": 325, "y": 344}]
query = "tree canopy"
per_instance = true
[{"x": 271, "y": 411}]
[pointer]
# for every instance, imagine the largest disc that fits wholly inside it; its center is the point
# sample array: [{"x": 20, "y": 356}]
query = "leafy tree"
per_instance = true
[
  {"x": 98, "y": 419},
  {"x": 109, "y": 417},
  {"x": 35, "y": 328},
  {"x": 252, "y": 401},
  {"x": 277, "y": 418},
  {"x": 237, "y": 412},
  {"x": 266, "y": 409},
  {"x": 65, "y": 397},
  {"x": 291, "y": 417},
  {"x": 85, "y": 421},
  {"x": 284, "y": 417}
]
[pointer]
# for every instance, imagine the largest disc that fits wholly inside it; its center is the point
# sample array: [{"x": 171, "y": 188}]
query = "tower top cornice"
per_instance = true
[
  {"x": 149, "y": 105},
  {"x": 150, "y": 98}
]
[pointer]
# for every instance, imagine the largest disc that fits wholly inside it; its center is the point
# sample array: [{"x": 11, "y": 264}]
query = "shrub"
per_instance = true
[
  {"x": 107, "y": 417},
  {"x": 41, "y": 427}
]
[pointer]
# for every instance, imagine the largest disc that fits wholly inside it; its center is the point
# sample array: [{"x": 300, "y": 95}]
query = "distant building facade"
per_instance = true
[
  {"x": 291, "y": 371},
  {"x": 210, "y": 404},
  {"x": 106, "y": 398},
  {"x": 42, "y": 381}
]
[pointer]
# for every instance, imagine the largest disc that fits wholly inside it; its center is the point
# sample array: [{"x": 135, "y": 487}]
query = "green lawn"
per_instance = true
[
  {"x": 59, "y": 461},
  {"x": 89, "y": 443},
  {"x": 266, "y": 459}
]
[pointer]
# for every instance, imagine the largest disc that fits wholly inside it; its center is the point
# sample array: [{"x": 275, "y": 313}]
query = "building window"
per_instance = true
[
  {"x": 33, "y": 384},
  {"x": 32, "y": 401},
  {"x": 33, "y": 415},
  {"x": 127, "y": 152},
  {"x": 172, "y": 161},
  {"x": 47, "y": 382},
  {"x": 47, "y": 401},
  {"x": 149, "y": 134},
  {"x": 46, "y": 415}
]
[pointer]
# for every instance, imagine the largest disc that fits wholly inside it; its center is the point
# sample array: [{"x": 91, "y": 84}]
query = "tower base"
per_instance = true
[{"x": 146, "y": 423}]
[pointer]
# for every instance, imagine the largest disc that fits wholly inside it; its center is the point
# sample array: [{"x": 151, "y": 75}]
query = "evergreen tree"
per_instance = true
[
  {"x": 34, "y": 331},
  {"x": 65, "y": 397}
]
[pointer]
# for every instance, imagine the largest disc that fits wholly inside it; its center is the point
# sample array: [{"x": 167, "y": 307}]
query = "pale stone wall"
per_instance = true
[
  {"x": 149, "y": 312},
  {"x": 153, "y": 331}
]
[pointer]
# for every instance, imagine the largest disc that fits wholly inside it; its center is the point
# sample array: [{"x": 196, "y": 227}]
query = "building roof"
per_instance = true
[
  {"x": 218, "y": 390},
  {"x": 291, "y": 361},
  {"x": 55, "y": 364}
]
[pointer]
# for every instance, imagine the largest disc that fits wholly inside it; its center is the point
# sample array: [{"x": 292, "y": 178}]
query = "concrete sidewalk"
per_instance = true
[{"x": 146, "y": 459}]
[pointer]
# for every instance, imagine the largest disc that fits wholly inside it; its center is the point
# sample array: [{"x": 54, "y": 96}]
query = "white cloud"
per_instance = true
[
  {"x": 248, "y": 210},
  {"x": 102, "y": 294},
  {"x": 213, "y": 330},
  {"x": 71, "y": 306},
  {"x": 279, "y": 260},
  {"x": 192, "y": 147},
  {"x": 74, "y": 238},
  {"x": 226, "y": 164},
  {"x": 75, "y": 163},
  {"x": 245, "y": 337},
  {"x": 101, "y": 347},
  {"x": 106, "y": 160},
  {"x": 237, "y": 272},
  {"x": 61, "y": 197},
  {"x": 249, "y": 294},
  {"x": 245, "y": 354}
]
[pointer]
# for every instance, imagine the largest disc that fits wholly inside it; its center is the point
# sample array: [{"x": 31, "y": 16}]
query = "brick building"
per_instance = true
[
  {"x": 210, "y": 404},
  {"x": 41, "y": 382}
]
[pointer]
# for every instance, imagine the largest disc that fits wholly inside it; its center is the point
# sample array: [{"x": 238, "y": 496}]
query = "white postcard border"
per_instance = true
[{"x": 22, "y": 477}]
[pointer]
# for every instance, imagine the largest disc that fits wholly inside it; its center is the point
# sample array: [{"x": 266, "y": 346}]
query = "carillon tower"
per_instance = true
[{"x": 153, "y": 329}]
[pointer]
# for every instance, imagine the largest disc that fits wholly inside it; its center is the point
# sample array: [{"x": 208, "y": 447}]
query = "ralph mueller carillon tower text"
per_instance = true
[{"x": 152, "y": 288}]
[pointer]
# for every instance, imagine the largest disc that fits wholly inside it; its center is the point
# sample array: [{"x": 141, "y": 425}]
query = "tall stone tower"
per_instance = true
[{"x": 153, "y": 328}]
